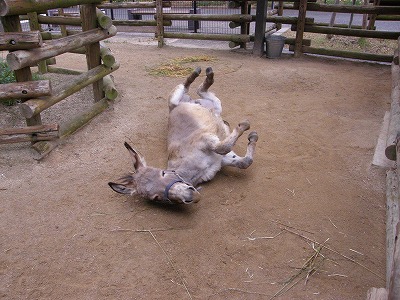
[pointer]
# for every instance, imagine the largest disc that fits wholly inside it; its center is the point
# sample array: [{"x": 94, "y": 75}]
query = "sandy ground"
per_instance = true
[{"x": 66, "y": 235}]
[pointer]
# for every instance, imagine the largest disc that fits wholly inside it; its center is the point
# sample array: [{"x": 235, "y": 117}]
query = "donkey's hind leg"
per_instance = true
[
  {"x": 233, "y": 160},
  {"x": 179, "y": 94},
  {"x": 208, "y": 99}
]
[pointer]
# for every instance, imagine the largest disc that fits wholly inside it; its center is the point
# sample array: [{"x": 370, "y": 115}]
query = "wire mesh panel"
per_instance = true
[{"x": 206, "y": 8}]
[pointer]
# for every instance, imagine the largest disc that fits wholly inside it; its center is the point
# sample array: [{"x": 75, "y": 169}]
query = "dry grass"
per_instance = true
[{"x": 180, "y": 66}]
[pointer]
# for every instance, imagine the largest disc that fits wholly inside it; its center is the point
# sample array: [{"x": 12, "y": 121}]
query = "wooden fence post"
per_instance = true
[
  {"x": 259, "y": 35},
  {"x": 89, "y": 21},
  {"x": 160, "y": 23},
  {"x": 301, "y": 22}
]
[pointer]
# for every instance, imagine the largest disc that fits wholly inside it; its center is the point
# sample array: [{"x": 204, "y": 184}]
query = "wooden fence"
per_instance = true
[
  {"x": 389, "y": 10},
  {"x": 392, "y": 151},
  {"x": 26, "y": 49}
]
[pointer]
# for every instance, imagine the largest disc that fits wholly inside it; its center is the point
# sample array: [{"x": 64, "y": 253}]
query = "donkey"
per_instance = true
[{"x": 199, "y": 144}]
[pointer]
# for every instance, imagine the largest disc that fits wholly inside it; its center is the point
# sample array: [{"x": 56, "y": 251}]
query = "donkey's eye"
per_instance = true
[{"x": 163, "y": 173}]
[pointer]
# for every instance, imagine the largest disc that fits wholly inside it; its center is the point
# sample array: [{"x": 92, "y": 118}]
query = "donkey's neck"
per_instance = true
[{"x": 194, "y": 174}]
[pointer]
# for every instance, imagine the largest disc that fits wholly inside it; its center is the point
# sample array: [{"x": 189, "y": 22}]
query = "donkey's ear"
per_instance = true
[
  {"x": 122, "y": 189},
  {"x": 138, "y": 160}
]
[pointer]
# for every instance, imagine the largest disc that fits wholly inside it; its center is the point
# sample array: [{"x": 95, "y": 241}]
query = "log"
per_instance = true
[
  {"x": 23, "y": 58},
  {"x": 128, "y": 5},
  {"x": 287, "y": 20},
  {"x": 259, "y": 34},
  {"x": 60, "y": 20},
  {"x": 104, "y": 21},
  {"x": 160, "y": 23},
  {"x": 59, "y": 70},
  {"x": 33, "y": 107},
  {"x": 22, "y": 7},
  {"x": 13, "y": 24},
  {"x": 292, "y": 41},
  {"x": 25, "y": 90},
  {"x": 93, "y": 59},
  {"x": 356, "y": 9},
  {"x": 204, "y": 17},
  {"x": 394, "y": 123},
  {"x": 346, "y": 54},
  {"x": 106, "y": 56},
  {"x": 82, "y": 119},
  {"x": 350, "y": 32},
  {"x": 109, "y": 88},
  {"x": 29, "y": 134},
  {"x": 239, "y": 38},
  {"x": 140, "y": 23},
  {"x": 20, "y": 40},
  {"x": 301, "y": 23},
  {"x": 34, "y": 25}
]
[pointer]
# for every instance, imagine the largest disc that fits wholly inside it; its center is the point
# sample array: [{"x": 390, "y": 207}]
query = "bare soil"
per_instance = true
[{"x": 66, "y": 235}]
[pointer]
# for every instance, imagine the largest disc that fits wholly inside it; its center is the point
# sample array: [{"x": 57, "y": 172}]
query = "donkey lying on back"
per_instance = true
[{"x": 199, "y": 144}]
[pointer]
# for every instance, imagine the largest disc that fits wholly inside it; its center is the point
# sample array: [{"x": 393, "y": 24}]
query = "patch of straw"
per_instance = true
[
  {"x": 305, "y": 272},
  {"x": 176, "y": 67}
]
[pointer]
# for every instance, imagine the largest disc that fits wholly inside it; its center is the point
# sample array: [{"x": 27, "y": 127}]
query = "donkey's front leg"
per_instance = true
[
  {"x": 233, "y": 160},
  {"x": 179, "y": 94},
  {"x": 225, "y": 146}
]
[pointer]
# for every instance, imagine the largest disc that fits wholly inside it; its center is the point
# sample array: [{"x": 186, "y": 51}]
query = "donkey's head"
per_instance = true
[{"x": 154, "y": 184}]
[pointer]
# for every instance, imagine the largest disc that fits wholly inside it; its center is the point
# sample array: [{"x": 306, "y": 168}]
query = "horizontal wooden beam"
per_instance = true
[
  {"x": 22, "y": 7},
  {"x": 25, "y": 90},
  {"x": 23, "y": 58},
  {"x": 20, "y": 40},
  {"x": 207, "y": 17},
  {"x": 139, "y": 23},
  {"x": 355, "y": 9},
  {"x": 113, "y": 5},
  {"x": 238, "y": 38},
  {"x": 29, "y": 134},
  {"x": 33, "y": 107},
  {"x": 60, "y": 20},
  {"x": 350, "y": 32}
]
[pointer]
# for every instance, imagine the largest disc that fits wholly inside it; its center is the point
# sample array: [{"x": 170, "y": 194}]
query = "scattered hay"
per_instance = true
[{"x": 177, "y": 67}]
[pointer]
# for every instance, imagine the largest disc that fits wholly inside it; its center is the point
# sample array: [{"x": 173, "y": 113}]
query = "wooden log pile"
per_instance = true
[
  {"x": 392, "y": 289},
  {"x": 27, "y": 49}
]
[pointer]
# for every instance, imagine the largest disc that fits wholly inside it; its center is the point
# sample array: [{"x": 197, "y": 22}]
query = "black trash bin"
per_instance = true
[
  {"x": 133, "y": 14},
  {"x": 194, "y": 25}
]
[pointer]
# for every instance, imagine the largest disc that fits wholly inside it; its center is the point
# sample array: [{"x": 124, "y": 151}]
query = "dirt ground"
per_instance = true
[{"x": 66, "y": 235}]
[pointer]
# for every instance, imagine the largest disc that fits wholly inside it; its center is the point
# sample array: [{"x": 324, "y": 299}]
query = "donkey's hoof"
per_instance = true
[
  {"x": 253, "y": 136},
  {"x": 209, "y": 71},
  {"x": 197, "y": 71},
  {"x": 244, "y": 125}
]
